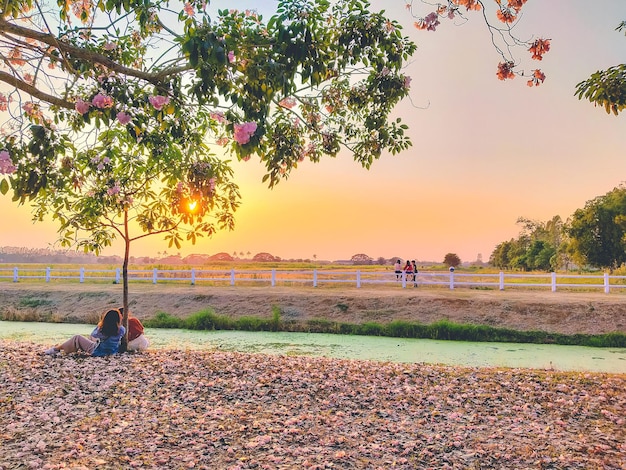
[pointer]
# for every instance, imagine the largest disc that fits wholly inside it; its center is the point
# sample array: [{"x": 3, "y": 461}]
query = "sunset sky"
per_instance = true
[{"x": 485, "y": 152}]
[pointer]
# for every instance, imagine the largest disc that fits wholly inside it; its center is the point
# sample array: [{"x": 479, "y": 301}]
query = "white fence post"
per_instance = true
[
  {"x": 553, "y": 282},
  {"x": 607, "y": 286},
  {"x": 358, "y": 278},
  {"x": 232, "y": 277},
  {"x": 117, "y": 275},
  {"x": 315, "y": 278},
  {"x": 501, "y": 280},
  {"x": 15, "y": 275},
  {"x": 404, "y": 279},
  {"x": 193, "y": 276},
  {"x": 82, "y": 275},
  {"x": 273, "y": 278},
  {"x": 155, "y": 275},
  {"x": 452, "y": 279},
  {"x": 48, "y": 274}
]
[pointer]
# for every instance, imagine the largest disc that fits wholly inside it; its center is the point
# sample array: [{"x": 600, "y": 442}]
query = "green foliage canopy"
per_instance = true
[
  {"x": 122, "y": 110},
  {"x": 598, "y": 231},
  {"x": 606, "y": 88}
]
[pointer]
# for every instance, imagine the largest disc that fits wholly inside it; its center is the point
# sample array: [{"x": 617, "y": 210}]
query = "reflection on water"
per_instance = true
[{"x": 536, "y": 356}]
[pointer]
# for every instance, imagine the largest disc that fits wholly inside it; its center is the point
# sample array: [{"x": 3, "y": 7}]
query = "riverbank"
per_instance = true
[
  {"x": 552, "y": 312},
  {"x": 195, "y": 409}
]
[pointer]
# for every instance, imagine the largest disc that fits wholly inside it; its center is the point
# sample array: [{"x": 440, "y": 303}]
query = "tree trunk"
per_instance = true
[{"x": 124, "y": 344}]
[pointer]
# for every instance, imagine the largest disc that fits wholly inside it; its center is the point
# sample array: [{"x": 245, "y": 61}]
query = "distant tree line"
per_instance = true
[{"x": 594, "y": 236}]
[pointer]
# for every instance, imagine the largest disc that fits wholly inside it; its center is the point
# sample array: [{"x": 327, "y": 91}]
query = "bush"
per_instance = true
[
  {"x": 208, "y": 320},
  {"x": 163, "y": 320}
]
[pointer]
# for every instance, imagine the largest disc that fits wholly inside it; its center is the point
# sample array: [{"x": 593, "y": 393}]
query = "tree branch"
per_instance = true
[
  {"x": 31, "y": 90},
  {"x": 90, "y": 56}
]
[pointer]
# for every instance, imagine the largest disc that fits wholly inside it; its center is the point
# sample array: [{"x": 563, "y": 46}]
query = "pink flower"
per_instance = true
[
  {"x": 102, "y": 101},
  {"x": 189, "y": 9},
  {"x": 231, "y": 57},
  {"x": 219, "y": 117},
  {"x": 6, "y": 165},
  {"x": 243, "y": 132},
  {"x": 114, "y": 190},
  {"x": 407, "y": 82},
  {"x": 432, "y": 21},
  {"x": 158, "y": 101},
  {"x": 81, "y": 106},
  {"x": 288, "y": 102},
  {"x": 4, "y": 102},
  {"x": 222, "y": 141},
  {"x": 429, "y": 23},
  {"x": 124, "y": 118},
  {"x": 109, "y": 46}
]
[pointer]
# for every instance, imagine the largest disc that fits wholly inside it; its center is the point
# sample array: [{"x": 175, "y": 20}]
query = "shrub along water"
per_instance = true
[{"x": 442, "y": 330}]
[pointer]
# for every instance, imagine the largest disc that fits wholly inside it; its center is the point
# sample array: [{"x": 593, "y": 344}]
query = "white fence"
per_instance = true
[{"x": 319, "y": 277}]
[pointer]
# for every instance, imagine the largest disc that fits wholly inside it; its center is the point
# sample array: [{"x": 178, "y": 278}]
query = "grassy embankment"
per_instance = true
[{"x": 443, "y": 330}]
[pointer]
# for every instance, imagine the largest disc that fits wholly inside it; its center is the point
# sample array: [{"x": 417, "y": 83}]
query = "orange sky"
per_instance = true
[{"x": 484, "y": 153}]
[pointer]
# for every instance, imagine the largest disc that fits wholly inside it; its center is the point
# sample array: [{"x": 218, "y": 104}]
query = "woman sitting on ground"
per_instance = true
[
  {"x": 105, "y": 338},
  {"x": 136, "y": 339}
]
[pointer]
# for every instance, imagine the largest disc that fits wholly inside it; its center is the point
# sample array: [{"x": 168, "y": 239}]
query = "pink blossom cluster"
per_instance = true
[
  {"x": 219, "y": 117},
  {"x": 81, "y": 106},
  {"x": 100, "y": 162},
  {"x": 6, "y": 165},
  {"x": 4, "y": 102},
  {"x": 102, "y": 101},
  {"x": 158, "y": 101},
  {"x": 124, "y": 118},
  {"x": 189, "y": 9},
  {"x": 429, "y": 23},
  {"x": 231, "y": 57},
  {"x": 244, "y": 131},
  {"x": 288, "y": 102},
  {"x": 115, "y": 189}
]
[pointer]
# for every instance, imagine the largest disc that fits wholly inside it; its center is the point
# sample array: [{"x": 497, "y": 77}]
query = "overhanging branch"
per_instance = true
[
  {"x": 65, "y": 48},
  {"x": 35, "y": 92}
]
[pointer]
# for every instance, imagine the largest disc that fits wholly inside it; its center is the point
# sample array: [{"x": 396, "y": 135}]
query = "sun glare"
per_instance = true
[{"x": 192, "y": 206}]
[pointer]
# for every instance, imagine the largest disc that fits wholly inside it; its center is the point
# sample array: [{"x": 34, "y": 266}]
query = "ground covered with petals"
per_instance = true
[{"x": 226, "y": 410}]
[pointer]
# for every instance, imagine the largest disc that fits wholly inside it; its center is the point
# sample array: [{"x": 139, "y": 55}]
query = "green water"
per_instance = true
[{"x": 534, "y": 356}]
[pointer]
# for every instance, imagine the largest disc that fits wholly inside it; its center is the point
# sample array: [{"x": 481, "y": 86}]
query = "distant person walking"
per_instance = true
[
  {"x": 398, "y": 269},
  {"x": 415, "y": 271},
  {"x": 105, "y": 338}
]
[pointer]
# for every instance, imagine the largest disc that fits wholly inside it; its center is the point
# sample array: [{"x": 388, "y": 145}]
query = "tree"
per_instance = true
[
  {"x": 113, "y": 123},
  {"x": 451, "y": 260},
  {"x": 361, "y": 258},
  {"x": 598, "y": 231},
  {"x": 265, "y": 257},
  {"x": 606, "y": 88},
  {"x": 499, "y": 17},
  {"x": 536, "y": 246}
]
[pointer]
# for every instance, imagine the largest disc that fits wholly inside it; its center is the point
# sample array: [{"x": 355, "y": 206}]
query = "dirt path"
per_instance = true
[{"x": 564, "y": 312}]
